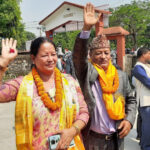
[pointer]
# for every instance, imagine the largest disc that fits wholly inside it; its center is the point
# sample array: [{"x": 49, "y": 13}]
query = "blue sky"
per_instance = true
[{"x": 34, "y": 11}]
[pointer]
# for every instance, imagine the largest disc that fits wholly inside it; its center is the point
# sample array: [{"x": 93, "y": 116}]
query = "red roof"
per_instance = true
[{"x": 73, "y": 4}]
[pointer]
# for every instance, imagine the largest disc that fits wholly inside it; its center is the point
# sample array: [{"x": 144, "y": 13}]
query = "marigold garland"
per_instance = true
[
  {"x": 110, "y": 88},
  {"x": 42, "y": 93}
]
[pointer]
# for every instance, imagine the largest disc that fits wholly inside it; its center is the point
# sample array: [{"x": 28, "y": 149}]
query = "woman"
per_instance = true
[{"x": 47, "y": 102}]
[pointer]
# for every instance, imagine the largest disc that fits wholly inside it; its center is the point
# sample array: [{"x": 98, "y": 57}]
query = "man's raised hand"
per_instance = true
[{"x": 89, "y": 17}]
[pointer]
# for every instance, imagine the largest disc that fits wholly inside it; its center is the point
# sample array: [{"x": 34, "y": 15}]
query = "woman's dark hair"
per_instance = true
[
  {"x": 35, "y": 45},
  {"x": 142, "y": 51}
]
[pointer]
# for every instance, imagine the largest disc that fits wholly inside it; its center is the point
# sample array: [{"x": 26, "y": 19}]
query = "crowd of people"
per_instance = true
[
  {"x": 93, "y": 108},
  {"x": 65, "y": 63}
]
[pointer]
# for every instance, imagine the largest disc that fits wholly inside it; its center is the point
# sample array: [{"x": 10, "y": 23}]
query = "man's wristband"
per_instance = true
[{"x": 76, "y": 128}]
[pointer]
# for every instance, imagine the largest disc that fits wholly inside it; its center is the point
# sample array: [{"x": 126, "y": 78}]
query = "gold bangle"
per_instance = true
[{"x": 76, "y": 128}]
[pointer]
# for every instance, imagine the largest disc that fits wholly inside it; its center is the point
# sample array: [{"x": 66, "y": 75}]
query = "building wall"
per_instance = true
[
  {"x": 20, "y": 66},
  {"x": 62, "y": 15},
  {"x": 130, "y": 61}
]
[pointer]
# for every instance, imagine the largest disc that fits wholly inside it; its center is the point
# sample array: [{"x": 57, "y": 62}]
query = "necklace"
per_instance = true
[{"x": 42, "y": 93}]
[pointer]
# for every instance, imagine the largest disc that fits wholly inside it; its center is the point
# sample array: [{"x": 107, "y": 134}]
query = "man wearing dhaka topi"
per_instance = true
[{"x": 107, "y": 91}]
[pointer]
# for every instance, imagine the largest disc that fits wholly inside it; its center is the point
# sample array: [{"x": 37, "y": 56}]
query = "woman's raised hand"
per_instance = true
[
  {"x": 89, "y": 16},
  {"x": 9, "y": 51}
]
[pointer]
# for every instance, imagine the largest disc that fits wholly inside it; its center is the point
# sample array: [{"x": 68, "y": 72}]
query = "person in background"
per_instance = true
[
  {"x": 107, "y": 92},
  {"x": 48, "y": 102},
  {"x": 141, "y": 72},
  {"x": 59, "y": 63},
  {"x": 60, "y": 55},
  {"x": 139, "y": 119}
]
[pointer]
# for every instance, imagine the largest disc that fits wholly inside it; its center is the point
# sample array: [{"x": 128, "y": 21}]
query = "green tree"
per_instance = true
[
  {"x": 10, "y": 21},
  {"x": 27, "y": 37},
  {"x": 135, "y": 18},
  {"x": 65, "y": 39},
  {"x": 30, "y": 35}
]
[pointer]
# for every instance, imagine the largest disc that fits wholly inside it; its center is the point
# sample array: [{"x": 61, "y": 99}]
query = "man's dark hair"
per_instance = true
[{"x": 142, "y": 51}]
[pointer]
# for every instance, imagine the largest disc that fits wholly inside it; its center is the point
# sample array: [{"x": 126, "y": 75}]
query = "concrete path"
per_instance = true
[{"x": 7, "y": 132}]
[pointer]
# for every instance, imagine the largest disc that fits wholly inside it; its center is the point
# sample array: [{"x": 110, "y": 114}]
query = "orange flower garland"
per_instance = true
[
  {"x": 108, "y": 88},
  {"x": 44, "y": 96}
]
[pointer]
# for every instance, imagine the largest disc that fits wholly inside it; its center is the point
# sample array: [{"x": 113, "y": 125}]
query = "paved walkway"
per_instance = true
[{"x": 7, "y": 132}]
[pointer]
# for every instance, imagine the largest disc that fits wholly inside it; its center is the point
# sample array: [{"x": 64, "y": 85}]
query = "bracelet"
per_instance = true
[
  {"x": 76, "y": 128},
  {"x": 3, "y": 68}
]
